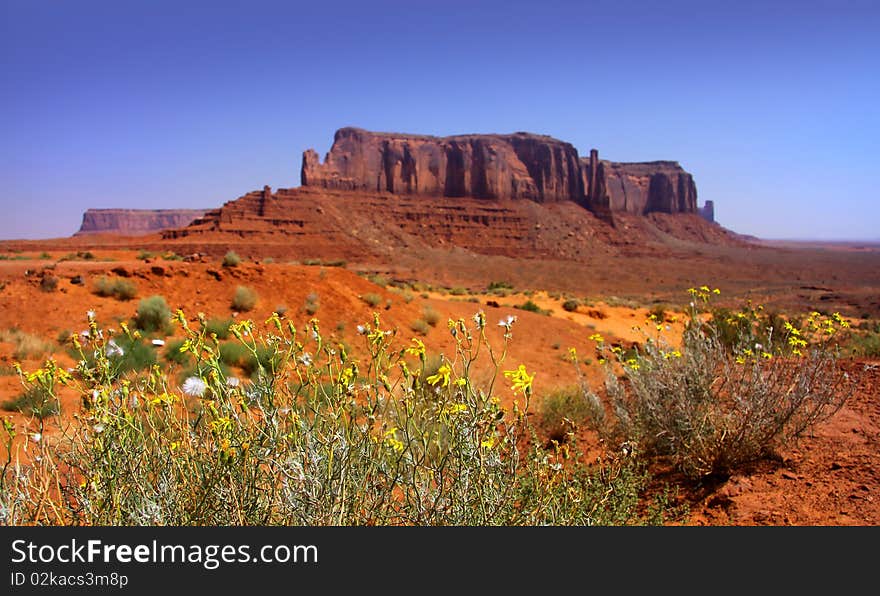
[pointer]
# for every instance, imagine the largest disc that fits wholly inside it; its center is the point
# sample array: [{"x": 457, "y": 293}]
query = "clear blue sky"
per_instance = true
[{"x": 773, "y": 106}]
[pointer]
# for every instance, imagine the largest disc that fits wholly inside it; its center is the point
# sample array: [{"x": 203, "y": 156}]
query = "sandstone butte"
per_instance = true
[
  {"x": 515, "y": 194},
  {"x": 514, "y": 166},
  {"x": 134, "y": 222}
]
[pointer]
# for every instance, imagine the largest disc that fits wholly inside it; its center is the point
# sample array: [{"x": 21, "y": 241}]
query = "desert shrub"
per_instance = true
[
  {"x": 218, "y": 327},
  {"x": 26, "y": 345},
  {"x": 531, "y": 306},
  {"x": 143, "y": 255},
  {"x": 499, "y": 285},
  {"x": 718, "y": 402},
  {"x": 244, "y": 299},
  {"x": 35, "y": 401},
  {"x": 401, "y": 438},
  {"x": 458, "y": 291},
  {"x": 231, "y": 259},
  {"x": 420, "y": 327},
  {"x": 117, "y": 287},
  {"x": 372, "y": 299},
  {"x": 312, "y": 303},
  {"x": 121, "y": 354},
  {"x": 48, "y": 283},
  {"x": 153, "y": 314},
  {"x": 132, "y": 355},
  {"x": 268, "y": 260},
  {"x": 379, "y": 280},
  {"x": 430, "y": 316},
  {"x": 171, "y": 256},
  {"x": 175, "y": 355},
  {"x": 235, "y": 354},
  {"x": 657, "y": 313},
  {"x": 562, "y": 411},
  {"x": 571, "y": 305},
  {"x": 866, "y": 344}
]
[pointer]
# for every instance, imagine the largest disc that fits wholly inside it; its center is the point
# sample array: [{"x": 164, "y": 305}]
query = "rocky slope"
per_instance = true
[{"x": 134, "y": 222}]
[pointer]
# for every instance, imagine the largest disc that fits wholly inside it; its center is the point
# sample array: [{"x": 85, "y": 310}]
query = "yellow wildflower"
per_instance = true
[
  {"x": 522, "y": 381},
  {"x": 441, "y": 376}
]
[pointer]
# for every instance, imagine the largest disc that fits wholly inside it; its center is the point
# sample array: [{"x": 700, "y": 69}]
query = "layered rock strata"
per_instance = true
[{"x": 501, "y": 167}]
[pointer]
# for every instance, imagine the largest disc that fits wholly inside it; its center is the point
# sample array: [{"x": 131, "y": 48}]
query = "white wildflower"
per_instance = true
[
  {"x": 306, "y": 359},
  {"x": 361, "y": 329},
  {"x": 194, "y": 386},
  {"x": 91, "y": 315},
  {"x": 113, "y": 349},
  {"x": 98, "y": 428},
  {"x": 158, "y": 342},
  {"x": 507, "y": 322},
  {"x": 232, "y": 381},
  {"x": 36, "y": 437}
]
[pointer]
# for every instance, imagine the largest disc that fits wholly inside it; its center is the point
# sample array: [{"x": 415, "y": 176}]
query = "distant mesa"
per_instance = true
[
  {"x": 382, "y": 194},
  {"x": 135, "y": 222},
  {"x": 500, "y": 167}
]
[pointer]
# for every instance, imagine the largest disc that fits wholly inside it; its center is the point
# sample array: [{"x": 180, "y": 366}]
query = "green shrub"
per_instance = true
[
  {"x": 372, "y": 299},
  {"x": 218, "y": 327},
  {"x": 379, "y": 280},
  {"x": 173, "y": 353},
  {"x": 244, "y": 299},
  {"x": 499, "y": 285},
  {"x": 866, "y": 345},
  {"x": 235, "y": 354},
  {"x": 231, "y": 259},
  {"x": 153, "y": 314},
  {"x": 136, "y": 355},
  {"x": 117, "y": 287},
  {"x": 562, "y": 411},
  {"x": 571, "y": 305},
  {"x": 35, "y": 401},
  {"x": 530, "y": 306}
]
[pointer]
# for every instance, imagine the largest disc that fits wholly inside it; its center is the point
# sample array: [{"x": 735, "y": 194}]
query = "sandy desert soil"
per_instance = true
[{"x": 829, "y": 478}]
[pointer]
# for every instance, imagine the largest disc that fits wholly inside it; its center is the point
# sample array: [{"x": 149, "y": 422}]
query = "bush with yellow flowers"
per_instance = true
[
  {"x": 732, "y": 392},
  {"x": 314, "y": 437}
]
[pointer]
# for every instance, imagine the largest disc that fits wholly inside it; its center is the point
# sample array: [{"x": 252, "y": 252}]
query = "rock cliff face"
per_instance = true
[
  {"x": 639, "y": 187},
  {"x": 133, "y": 222},
  {"x": 515, "y": 166}
]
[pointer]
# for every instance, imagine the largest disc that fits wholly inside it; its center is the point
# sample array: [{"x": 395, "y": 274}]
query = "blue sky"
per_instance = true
[{"x": 772, "y": 106}]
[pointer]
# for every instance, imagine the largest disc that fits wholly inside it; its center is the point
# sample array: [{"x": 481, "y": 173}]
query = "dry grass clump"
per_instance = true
[
  {"x": 244, "y": 299},
  {"x": 116, "y": 287},
  {"x": 26, "y": 345}
]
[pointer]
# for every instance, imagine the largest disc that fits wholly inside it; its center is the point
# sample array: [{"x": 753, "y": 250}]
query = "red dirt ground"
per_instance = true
[{"x": 829, "y": 478}]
